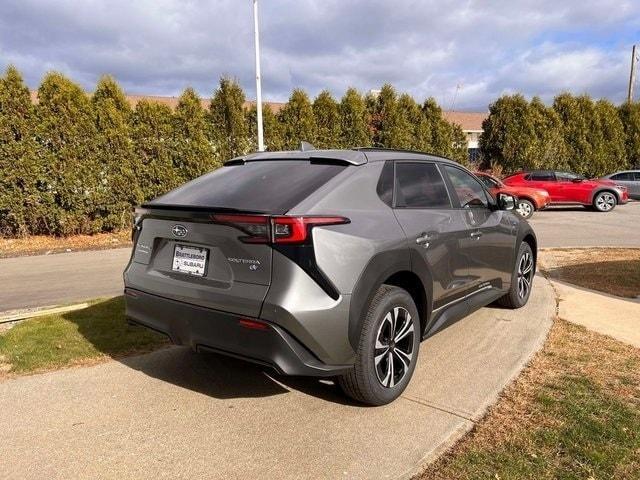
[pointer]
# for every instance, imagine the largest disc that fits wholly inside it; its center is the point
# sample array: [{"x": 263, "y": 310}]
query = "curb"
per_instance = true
[
  {"x": 16, "y": 317},
  {"x": 465, "y": 428}
]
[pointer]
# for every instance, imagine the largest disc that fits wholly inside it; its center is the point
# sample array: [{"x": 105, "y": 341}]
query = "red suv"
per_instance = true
[
  {"x": 570, "y": 189},
  {"x": 529, "y": 199}
]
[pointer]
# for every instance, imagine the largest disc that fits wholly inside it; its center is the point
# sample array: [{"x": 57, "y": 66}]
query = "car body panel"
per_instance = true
[
  {"x": 539, "y": 197},
  {"x": 312, "y": 298},
  {"x": 565, "y": 191},
  {"x": 627, "y": 178}
]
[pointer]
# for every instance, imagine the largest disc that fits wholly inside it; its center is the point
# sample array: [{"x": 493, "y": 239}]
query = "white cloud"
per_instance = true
[{"x": 424, "y": 47}]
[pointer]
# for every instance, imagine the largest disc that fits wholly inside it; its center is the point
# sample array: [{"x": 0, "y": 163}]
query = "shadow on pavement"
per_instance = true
[
  {"x": 103, "y": 324},
  {"x": 224, "y": 377}
]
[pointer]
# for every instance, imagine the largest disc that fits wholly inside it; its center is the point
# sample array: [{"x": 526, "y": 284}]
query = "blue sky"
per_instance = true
[{"x": 426, "y": 48}]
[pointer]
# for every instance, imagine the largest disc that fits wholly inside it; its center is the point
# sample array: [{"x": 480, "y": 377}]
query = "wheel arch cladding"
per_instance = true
[
  {"x": 530, "y": 239},
  {"x": 604, "y": 189},
  {"x": 415, "y": 287},
  {"x": 393, "y": 267}
]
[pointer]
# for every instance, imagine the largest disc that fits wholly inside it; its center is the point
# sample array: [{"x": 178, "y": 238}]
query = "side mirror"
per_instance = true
[{"x": 506, "y": 201}]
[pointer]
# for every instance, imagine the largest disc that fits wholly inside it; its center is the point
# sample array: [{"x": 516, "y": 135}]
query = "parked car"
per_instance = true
[
  {"x": 630, "y": 179},
  {"x": 329, "y": 263},
  {"x": 529, "y": 199},
  {"x": 567, "y": 188}
]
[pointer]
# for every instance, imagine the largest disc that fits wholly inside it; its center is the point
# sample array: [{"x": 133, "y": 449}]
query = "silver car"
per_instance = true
[
  {"x": 629, "y": 179},
  {"x": 331, "y": 263}
]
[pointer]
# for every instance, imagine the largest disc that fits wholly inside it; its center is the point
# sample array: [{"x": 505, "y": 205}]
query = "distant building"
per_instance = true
[{"x": 471, "y": 124}]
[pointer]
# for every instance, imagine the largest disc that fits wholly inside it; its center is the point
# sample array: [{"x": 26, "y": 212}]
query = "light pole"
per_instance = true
[
  {"x": 632, "y": 76},
  {"x": 256, "y": 34}
]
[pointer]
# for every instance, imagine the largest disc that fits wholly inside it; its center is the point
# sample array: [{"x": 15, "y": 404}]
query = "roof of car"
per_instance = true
[
  {"x": 355, "y": 156},
  {"x": 633, "y": 170}
]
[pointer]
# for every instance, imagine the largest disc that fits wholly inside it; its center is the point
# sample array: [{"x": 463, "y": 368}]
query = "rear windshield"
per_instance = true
[{"x": 273, "y": 186}]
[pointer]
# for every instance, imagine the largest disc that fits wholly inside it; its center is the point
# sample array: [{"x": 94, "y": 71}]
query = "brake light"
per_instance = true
[
  {"x": 256, "y": 227},
  {"x": 297, "y": 229},
  {"x": 280, "y": 229}
]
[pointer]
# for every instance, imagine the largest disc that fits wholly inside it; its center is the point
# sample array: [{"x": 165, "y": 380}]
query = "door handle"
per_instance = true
[
  {"x": 423, "y": 239},
  {"x": 475, "y": 235}
]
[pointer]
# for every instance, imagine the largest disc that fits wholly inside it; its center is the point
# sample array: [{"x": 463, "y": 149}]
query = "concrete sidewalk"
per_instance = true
[
  {"x": 617, "y": 317},
  {"x": 614, "y": 316},
  {"x": 175, "y": 414}
]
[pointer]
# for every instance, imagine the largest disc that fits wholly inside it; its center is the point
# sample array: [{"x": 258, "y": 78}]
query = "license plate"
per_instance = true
[{"x": 190, "y": 260}]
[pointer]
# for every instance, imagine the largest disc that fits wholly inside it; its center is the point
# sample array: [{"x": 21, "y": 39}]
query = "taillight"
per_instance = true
[
  {"x": 297, "y": 229},
  {"x": 256, "y": 227},
  {"x": 276, "y": 229}
]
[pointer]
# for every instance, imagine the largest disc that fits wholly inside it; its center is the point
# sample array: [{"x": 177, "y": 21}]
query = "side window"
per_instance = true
[
  {"x": 542, "y": 177},
  {"x": 566, "y": 176},
  {"x": 468, "y": 190},
  {"x": 627, "y": 176},
  {"x": 385, "y": 183},
  {"x": 420, "y": 185},
  {"x": 488, "y": 181}
]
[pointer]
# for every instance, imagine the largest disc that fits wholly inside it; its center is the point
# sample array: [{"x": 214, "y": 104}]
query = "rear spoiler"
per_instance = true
[{"x": 350, "y": 157}]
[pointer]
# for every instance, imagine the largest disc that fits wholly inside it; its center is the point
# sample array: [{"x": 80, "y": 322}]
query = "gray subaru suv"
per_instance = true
[{"x": 330, "y": 263}]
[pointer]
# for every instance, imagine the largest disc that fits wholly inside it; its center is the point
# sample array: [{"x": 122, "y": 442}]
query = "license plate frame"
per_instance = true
[{"x": 187, "y": 263}]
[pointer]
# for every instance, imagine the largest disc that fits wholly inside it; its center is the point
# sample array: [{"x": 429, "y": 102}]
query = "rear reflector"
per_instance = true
[
  {"x": 253, "y": 324},
  {"x": 277, "y": 229}
]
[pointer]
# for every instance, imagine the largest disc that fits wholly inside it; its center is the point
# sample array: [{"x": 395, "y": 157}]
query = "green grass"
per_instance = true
[
  {"x": 596, "y": 436},
  {"x": 71, "y": 338},
  {"x": 566, "y": 418}
]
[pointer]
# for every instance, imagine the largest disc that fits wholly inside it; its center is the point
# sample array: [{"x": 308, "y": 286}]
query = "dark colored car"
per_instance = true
[
  {"x": 331, "y": 263},
  {"x": 529, "y": 199},
  {"x": 630, "y": 179},
  {"x": 567, "y": 188}
]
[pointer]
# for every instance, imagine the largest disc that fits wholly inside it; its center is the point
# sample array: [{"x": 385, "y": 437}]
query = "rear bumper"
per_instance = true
[{"x": 206, "y": 329}]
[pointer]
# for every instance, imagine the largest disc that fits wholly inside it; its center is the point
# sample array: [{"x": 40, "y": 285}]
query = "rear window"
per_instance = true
[{"x": 273, "y": 186}]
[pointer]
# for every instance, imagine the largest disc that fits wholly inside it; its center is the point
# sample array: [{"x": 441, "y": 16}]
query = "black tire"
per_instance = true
[
  {"x": 520, "y": 278},
  {"x": 364, "y": 383},
  {"x": 605, "y": 201},
  {"x": 525, "y": 208}
]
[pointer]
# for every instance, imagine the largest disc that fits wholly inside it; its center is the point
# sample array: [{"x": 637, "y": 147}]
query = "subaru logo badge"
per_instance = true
[{"x": 179, "y": 231}]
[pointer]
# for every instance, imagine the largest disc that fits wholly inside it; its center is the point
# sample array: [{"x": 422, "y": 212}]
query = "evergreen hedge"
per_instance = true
[
  {"x": 576, "y": 133},
  {"x": 76, "y": 163}
]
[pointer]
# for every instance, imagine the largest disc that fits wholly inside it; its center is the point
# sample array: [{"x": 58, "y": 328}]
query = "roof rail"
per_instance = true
[{"x": 403, "y": 150}]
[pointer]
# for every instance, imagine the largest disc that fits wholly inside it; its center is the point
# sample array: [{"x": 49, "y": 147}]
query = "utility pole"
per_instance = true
[
  {"x": 455, "y": 96},
  {"x": 256, "y": 34},
  {"x": 632, "y": 76}
]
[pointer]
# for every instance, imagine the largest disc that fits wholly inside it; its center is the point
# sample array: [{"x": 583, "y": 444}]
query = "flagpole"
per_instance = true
[{"x": 256, "y": 34}]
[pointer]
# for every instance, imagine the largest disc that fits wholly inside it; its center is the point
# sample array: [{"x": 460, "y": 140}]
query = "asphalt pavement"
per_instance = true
[
  {"x": 175, "y": 414},
  {"x": 44, "y": 280},
  {"x": 579, "y": 227}
]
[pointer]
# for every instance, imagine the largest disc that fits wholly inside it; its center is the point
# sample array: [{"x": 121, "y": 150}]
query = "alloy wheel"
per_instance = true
[
  {"x": 524, "y": 209},
  {"x": 394, "y": 347},
  {"x": 605, "y": 202},
  {"x": 525, "y": 274}
]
